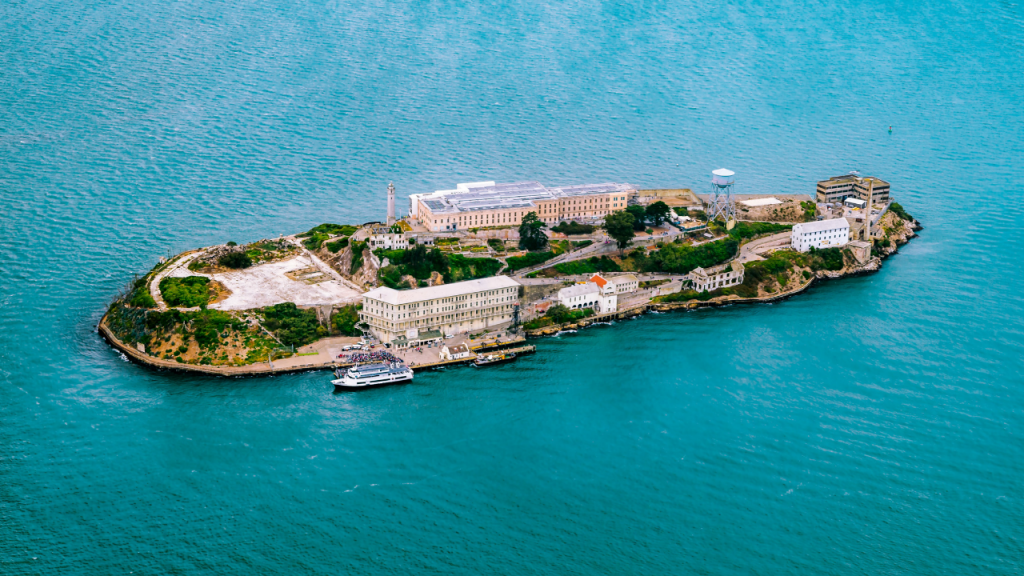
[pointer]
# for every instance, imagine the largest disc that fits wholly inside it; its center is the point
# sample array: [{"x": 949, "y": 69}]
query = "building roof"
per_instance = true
[
  {"x": 820, "y": 225},
  {"x": 458, "y": 349},
  {"x": 491, "y": 196},
  {"x": 869, "y": 179},
  {"x": 623, "y": 278},
  {"x": 578, "y": 290},
  {"x": 398, "y": 297},
  {"x": 597, "y": 279}
]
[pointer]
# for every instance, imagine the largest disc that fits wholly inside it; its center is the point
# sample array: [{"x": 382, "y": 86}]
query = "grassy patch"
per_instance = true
[
  {"x": 810, "y": 211},
  {"x": 186, "y": 292},
  {"x": 331, "y": 229},
  {"x": 681, "y": 259},
  {"x": 529, "y": 259},
  {"x": 421, "y": 262},
  {"x": 496, "y": 244},
  {"x": 337, "y": 245},
  {"x": 744, "y": 230},
  {"x": 315, "y": 240},
  {"x": 588, "y": 266}
]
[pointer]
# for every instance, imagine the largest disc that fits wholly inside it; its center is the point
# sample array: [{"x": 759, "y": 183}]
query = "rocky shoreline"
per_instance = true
[{"x": 903, "y": 236}]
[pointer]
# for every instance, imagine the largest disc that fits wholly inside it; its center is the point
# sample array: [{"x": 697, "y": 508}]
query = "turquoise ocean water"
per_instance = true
[{"x": 869, "y": 426}]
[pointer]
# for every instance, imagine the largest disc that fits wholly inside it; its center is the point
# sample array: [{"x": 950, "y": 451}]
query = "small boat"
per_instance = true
[
  {"x": 495, "y": 359},
  {"x": 370, "y": 375}
]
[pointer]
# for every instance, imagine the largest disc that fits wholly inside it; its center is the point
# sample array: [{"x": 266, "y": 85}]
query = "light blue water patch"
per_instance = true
[{"x": 869, "y": 426}]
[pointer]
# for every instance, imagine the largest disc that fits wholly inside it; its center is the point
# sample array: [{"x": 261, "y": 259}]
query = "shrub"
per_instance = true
[
  {"x": 681, "y": 259},
  {"x": 345, "y": 319},
  {"x": 588, "y": 266},
  {"x": 208, "y": 324},
  {"x": 573, "y": 228},
  {"x": 831, "y": 258},
  {"x": 527, "y": 260},
  {"x": 314, "y": 241},
  {"x": 186, "y": 292},
  {"x": 292, "y": 325},
  {"x": 337, "y": 245},
  {"x": 333, "y": 229},
  {"x": 236, "y": 260},
  {"x": 496, "y": 244},
  {"x": 462, "y": 268},
  {"x": 232, "y": 244},
  {"x": 744, "y": 230},
  {"x": 357, "y": 255},
  {"x": 895, "y": 208},
  {"x": 140, "y": 296}
]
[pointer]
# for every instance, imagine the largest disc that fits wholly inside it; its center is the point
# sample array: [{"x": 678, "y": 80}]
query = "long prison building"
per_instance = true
[{"x": 484, "y": 204}]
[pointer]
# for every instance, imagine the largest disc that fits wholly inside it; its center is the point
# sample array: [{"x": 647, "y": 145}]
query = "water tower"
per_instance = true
[{"x": 720, "y": 203}]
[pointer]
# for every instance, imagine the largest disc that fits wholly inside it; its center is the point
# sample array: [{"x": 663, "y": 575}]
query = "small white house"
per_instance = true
[
  {"x": 588, "y": 295},
  {"x": 455, "y": 352},
  {"x": 821, "y": 234}
]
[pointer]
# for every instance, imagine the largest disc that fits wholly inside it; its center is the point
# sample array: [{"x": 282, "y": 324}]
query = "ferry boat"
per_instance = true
[
  {"x": 370, "y": 375},
  {"x": 495, "y": 359}
]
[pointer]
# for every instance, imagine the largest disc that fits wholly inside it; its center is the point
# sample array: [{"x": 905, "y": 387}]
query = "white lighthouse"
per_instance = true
[{"x": 391, "y": 204}]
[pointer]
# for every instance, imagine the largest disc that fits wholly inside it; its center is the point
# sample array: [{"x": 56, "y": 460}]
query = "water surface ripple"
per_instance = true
[{"x": 870, "y": 426}]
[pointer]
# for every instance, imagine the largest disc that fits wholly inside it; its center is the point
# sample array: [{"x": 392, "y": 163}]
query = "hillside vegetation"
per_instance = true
[{"x": 421, "y": 262}]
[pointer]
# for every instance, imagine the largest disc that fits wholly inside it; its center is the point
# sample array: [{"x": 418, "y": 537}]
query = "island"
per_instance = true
[{"x": 483, "y": 268}]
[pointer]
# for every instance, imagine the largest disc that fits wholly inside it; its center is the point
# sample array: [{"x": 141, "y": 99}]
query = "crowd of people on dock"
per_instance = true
[{"x": 377, "y": 356}]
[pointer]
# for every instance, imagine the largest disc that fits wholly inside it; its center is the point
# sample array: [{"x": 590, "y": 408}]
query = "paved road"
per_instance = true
[{"x": 749, "y": 251}]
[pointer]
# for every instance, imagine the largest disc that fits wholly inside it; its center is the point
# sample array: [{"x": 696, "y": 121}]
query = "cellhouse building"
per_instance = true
[
  {"x": 409, "y": 317},
  {"x": 821, "y": 234},
  {"x": 487, "y": 204}
]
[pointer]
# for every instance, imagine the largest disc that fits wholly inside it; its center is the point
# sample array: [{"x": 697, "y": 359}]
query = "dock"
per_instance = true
[{"x": 518, "y": 351}]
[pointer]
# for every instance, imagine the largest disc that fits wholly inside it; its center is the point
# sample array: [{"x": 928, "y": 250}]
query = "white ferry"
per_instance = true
[{"x": 369, "y": 375}]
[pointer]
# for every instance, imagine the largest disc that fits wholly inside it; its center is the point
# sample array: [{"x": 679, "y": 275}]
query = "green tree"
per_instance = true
[
  {"x": 620, "y": 226},
  {"x": 531, "y": 233},
  {"x": 658, "y": 213},
  {"x": 235, "y": 260},
  {"x": 639, "y": 217}
]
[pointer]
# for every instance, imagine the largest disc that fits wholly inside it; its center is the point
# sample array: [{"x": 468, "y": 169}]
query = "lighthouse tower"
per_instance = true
[{"x": 391, "y": 204}]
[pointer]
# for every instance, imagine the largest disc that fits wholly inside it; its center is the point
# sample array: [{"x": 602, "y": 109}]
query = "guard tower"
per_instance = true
[
  {"x": 720, "y": 203},
  {"x": 391, "y": 204}
]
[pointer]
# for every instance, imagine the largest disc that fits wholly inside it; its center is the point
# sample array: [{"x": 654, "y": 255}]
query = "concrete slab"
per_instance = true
[{"x": 276, "y": 282}]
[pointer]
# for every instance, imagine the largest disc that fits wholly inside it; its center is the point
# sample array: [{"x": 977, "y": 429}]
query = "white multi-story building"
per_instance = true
[
  {"x": 616, "y": 284},
  {"x": 717, "y": 277},
  {"x": 407, "y": 317},
  {"x": 821, "y": 234},
  {"x": 601, "y": 298},
  {"x": 383, "y": 237},
  {"x": 486, "y": 204}
]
